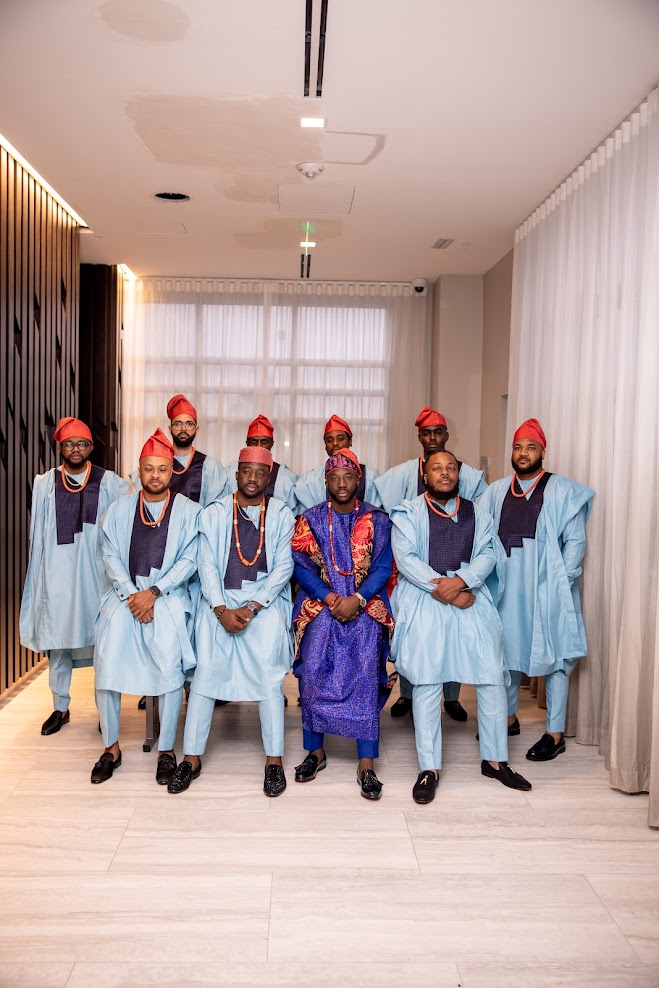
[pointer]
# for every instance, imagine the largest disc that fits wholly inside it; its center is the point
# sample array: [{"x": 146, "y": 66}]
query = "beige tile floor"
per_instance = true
[{"x": 124, "y": 885}]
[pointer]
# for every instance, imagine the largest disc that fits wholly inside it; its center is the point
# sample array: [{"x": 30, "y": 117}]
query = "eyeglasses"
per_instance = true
[
  {"x": 176, "y": 424},
  {"x": 82, "y": 445}
]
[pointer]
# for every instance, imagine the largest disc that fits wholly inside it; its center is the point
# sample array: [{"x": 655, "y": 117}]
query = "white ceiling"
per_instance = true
[{"x": 469, "y": 112}]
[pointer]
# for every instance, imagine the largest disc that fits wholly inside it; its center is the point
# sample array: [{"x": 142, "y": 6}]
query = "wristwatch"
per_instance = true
[
  {"x": 156, "y": 591},
  {"x": 252, "y": 606},
  {"x": 362, "y": 601}
]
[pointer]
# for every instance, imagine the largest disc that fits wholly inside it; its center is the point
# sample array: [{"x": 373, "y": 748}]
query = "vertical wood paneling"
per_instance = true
[{"x": 38, "y": 371}]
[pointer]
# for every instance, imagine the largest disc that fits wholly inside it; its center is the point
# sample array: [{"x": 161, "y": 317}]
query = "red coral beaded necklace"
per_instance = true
[
  {"x": 331, "y": 541},
  {"x": 244, "y": 561},
  {"x": 442, "y": 514},
  {"x": 180, "y": 472},
  {"x": 528, "y": 489}
]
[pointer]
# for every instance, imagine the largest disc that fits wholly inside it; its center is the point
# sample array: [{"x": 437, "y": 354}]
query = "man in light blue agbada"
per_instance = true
[
  {"x": 144, "y": 628},
  {"x": 282, "y": 480},
  {"x": 405, "y": 482},
  {"x": 243, "y": 631},
  {"x": 65, "y": 576},
  {"x": 541, "y": 520},
  {"x": 311, "y": 489},
  {"x": 447, "y": 627}
]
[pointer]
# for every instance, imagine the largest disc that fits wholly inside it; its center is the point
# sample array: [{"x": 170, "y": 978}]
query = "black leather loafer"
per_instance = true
[
  {"x": 513, "y": 729},
  {"x": 543, "y": 750},
  {"x": 506, "y": 776},
  {"x": 401, "y": 707},
  {"x": 166, "y": 768},
  {"x": 183, "y": 776},
  {"x": 105, "y": 766},
  {"x": 369, "y": 784},
  {"x": 309, "y": 769},
  {"x": 425, "y": 787},
  {"x": 55, "y": 722},
  {"x": 455, "y": 710},
  {"x": 275, "y": 780},
  {"x": 141, "y": 703}
]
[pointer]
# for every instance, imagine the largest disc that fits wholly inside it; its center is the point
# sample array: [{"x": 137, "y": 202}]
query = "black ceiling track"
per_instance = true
[
  {"x": 321, "y": 48},
  {"x": 307, "y": 46},
  {"x": 321, "y": 26}
]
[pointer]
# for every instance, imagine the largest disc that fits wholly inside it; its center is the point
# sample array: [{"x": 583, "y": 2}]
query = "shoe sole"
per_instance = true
[
  {"x": 495, "y": 778},
  {"x": 423, "y": 802},
  {"x": 371, "y": 796},
  {"x": 99, "y": 782},
  {"x": 177, "y": 792},
  {"x": 319, "y": 768},
  {"x": 48, "y": 734},
  {"x": 546, "y": 758},
  {"x": 273, "y": 795}
]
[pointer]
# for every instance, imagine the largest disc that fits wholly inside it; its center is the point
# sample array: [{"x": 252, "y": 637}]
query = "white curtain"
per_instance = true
[
  {"x": 585, "y": 361},
  {"x": 295, "y": 351}
]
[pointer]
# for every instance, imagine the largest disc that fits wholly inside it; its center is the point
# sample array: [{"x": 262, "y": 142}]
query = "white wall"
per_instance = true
[
  {"x": 457, "y": 355},
  {"x": 497, "y": 295}
]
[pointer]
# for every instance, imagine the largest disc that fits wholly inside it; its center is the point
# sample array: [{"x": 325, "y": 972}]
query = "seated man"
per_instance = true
[
  {"x": 403, "y": 483},
  {"x": 310, "y": 488},
  {"x": 282, "y": 481},
  {"x": 342, "y": 621},
  {"x": 447, "y": 627},
  {"x": 243, "y": 639},
  {"x": 145, "y": 622}
]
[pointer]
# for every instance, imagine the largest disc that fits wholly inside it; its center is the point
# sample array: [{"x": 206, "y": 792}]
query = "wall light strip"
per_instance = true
[
  {"x": 11, "y": 150},
  {"x": 126, "y": 273}
]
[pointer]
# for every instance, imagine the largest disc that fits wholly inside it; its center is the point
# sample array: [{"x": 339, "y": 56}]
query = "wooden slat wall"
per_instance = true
[{"x": 39, "y": 266}]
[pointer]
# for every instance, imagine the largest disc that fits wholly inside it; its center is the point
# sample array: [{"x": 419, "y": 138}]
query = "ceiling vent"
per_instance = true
[
  {"x": 442, "y": 244},
  {"x": 172, "y": 196}
]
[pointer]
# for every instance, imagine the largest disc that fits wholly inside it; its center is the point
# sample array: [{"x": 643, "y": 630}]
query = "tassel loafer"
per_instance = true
[{"x": 104, "y": 767}]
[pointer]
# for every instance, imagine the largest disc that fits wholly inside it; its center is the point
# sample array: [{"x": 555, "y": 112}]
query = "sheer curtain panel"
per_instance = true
[
  {"x": 296, "y": 351},
  {"x": 585, "y": 361}
]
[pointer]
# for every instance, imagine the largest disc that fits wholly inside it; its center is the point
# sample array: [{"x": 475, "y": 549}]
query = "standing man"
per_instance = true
[
  {"x": 145, "y": 622},
  {"x": 310, "y": 488},
  {"x": 65, "y": 577},
  {"x": 447, "y": 627},
  {"x": 200, "y": 477},
  {"x": 541, "y": 520},
  {"x": 342, "y": 621},
  {"x": 243, "y": 635},
  {"x": 405, "y": 482},
  {"x": 282, "y": 481}
]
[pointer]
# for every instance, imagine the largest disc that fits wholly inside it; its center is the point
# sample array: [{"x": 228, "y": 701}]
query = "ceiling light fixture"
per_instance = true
[
  {"x": 172, "y": 196},
  {"x": 318, "y": 122},
  {"x": 307, "y": 243},
  {"x": 20, "y": 160}
]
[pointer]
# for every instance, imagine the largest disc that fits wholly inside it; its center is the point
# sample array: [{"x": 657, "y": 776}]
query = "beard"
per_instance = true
[
  {"x": 183, "y": 441},
  {"x": 532, "y": 467},
  {"x": 437, "y": 495},
  {"x": 74, "y": 466}
]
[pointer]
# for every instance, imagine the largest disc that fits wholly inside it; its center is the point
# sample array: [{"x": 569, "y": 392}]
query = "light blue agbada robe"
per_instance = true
[
  {"x": 214, "y": 480},
  {"x": 435, "y": 642},
  {"x": 540, "y": 606},
  {"x": 284, "y": 489},
  {"x": 64, "y": 583},
  {"x": 310, "y": 488},
  {"x": 249, "y": 665},
  {"x": 400, "y": 483},
  {"x": 146, "y": 659}
]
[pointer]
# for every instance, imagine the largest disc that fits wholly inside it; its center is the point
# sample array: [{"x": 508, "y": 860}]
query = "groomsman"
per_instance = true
[
  {"x": 310, "y": 488},
  {"x": 281, "y": 485},
  {"x": 65, "y": 575},
  {"x": 405, "y": 482},
  {"x": 144, "y": 626}
]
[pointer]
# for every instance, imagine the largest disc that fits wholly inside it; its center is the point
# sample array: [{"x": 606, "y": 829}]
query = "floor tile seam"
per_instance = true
[
  {"x": 267, "y": 943},
  {"x": 541, "y": 837},
  {"x": 120, "y": 841},
  {"x": 70, "y": 974},
  {"x": 613, "y": 919}
]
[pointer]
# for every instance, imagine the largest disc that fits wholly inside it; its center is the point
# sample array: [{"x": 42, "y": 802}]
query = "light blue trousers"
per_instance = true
[
  {"x": 557, "y": 685},
  {"x": 169, "y": 707},
  {"x": 200, "y": 714},
  {"x": 492, "y": 724},
  {"x": 451, "y": 690},
  {"x": 60, "y": 667}
]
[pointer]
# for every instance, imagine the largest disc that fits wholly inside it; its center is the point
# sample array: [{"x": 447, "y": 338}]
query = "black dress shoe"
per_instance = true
[
  {"x": 183, "y": 776},
  {"x": 455, "y": 710},
  {"x": 105, "y": 766},
  {"x": 506, "y": 775},
  {"x": 141, "y": 703},
  {"x": 285, "y": 700},
  {"x": 425, "y": 787},
  {"x": 309, "y": 769},
  {"x": 543, "y": 750},
  {"x": 55, "y": 722},
  {"x": 166, "y": 768},
  {"x": 369, "y": 783},
  {"x": 513, "y": 729},
  {"x": 401, "y": 707},
  {"x": 275, "y": 780}
]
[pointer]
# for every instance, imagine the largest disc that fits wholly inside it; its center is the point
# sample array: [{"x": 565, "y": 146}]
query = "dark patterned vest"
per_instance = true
[
  {"x": 270, "y": 489},
  {"x": 451, "y": 543},
  {"x": 73, "y": 509},
  {"x": 519, "y": 515},
  {"x": 250, "y": 536},
  {"x": 147, "y": 543},
  {"x": 420, "y": 486},
  {"x": 189, "y": 482}
]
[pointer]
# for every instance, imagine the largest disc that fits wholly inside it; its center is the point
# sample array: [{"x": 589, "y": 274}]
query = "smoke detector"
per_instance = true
[{"x": 310, "y": 169}]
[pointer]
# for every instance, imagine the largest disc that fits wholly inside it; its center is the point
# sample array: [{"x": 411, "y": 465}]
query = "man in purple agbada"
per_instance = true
[{"x": 342, "y": 620}]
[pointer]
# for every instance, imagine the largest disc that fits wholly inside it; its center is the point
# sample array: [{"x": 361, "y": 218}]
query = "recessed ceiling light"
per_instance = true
[
  {"x": 312, "y": 121},
  {"x": 172, "y": 196},
  {"x": 307, "y": 243}
]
